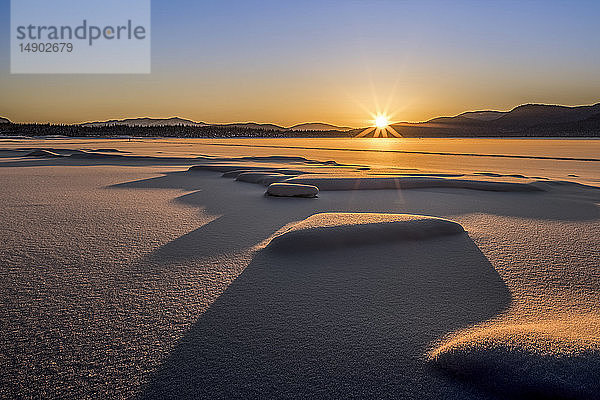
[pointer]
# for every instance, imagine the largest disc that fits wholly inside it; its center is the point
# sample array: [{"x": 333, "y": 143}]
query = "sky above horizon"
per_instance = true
[{"x": 288, "y": 62}]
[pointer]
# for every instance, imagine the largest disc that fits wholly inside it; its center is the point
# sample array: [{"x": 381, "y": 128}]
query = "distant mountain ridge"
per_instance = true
[
  {"x": 4, "y": 120},
  {"x": 252, "y": 125},
  {"x": 524, "y": 120},
  {"x": 176, "y": 121},
  {"x": 318, "y": 126},
  {"x": 145, "y": 121},
  {"x": 534, "y": 114}
]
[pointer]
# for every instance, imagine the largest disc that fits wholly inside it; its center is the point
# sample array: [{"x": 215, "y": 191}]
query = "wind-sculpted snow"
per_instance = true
[
  {"x": 291, "y": 190},
  {"x": 332, "y": 177},
  {"x": 556, "y": 358},
  {"x": 339, "y": 177},
  {"x": 128, "y": 274},
  {"x": 334, "y": 230}
]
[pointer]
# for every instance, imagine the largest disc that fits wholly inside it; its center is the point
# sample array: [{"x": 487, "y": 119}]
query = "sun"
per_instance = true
[
  {"x": 381, "y": 121},
  {"x": 382, "y": 128}
]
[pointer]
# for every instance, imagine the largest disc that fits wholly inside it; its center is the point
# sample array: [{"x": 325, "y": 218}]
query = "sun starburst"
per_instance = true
[{"x": 381, "y": 128}]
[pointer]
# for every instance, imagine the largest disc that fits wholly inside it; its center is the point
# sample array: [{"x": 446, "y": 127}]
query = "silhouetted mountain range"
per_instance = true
[
  {"x": 173, "y": 121},
  {"x": 525, "y": 120},
  {"x": 252, "y": 125},
  {"x": 4, "y": 120},
  {"x": 319, "y": 126},
  {"x": 176, "y": 121}
]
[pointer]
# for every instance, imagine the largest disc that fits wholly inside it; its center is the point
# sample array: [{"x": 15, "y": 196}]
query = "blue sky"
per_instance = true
[{"x": 334, "y": 61}]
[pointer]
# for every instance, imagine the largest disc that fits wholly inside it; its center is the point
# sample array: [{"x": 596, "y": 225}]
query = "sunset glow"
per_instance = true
[{"x": 484, "y": 65}]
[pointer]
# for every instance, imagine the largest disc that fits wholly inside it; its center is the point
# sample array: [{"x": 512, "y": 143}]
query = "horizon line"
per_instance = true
[{"x": 296, "y": 124}]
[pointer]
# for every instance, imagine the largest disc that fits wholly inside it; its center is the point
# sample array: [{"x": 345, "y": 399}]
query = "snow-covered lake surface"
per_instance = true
[
  {"x": 556, "y": 158},
  {"x": 125, "y": 274}
]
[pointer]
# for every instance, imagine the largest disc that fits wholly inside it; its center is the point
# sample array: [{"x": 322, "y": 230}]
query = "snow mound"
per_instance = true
[
  {"x": 334, "y": 230},
  {"x": 292, "y": 190},
  {"x": 543, "y": 359},
  {"x": 397, "y": 182}
]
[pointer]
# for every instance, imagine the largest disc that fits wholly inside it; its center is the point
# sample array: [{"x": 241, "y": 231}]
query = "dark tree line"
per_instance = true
[
  {"x": 182, "y": 131},
  {"x": 587, "y": 128}
]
